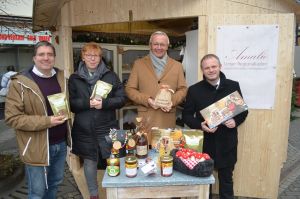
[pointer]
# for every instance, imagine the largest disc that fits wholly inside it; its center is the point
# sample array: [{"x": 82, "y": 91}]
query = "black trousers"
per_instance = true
[{"x": 225, "y": 183}]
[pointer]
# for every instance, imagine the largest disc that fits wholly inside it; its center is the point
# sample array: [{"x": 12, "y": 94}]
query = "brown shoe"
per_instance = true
[{"x": 94, "y": 197}]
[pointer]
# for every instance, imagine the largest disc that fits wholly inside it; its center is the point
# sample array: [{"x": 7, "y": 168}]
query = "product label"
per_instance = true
[
  {"x": 167, "y": 168},
  {"x": 130, "y": 152},
  {"x": 167, "y": 171},
  {"x": 149, "y": 167},
  {"x": 141, "y": 150},
  {"x": 131, "y": 171},
  {"x": 113, "y": 170}
]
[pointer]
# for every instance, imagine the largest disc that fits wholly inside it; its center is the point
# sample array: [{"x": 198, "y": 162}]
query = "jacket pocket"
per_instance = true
[{"x": 33, "y": 147}]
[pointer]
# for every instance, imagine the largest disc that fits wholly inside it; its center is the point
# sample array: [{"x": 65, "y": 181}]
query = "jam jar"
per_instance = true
[
  {"x": 131, "y": 166},
  {"x": 166, "y": 165}
]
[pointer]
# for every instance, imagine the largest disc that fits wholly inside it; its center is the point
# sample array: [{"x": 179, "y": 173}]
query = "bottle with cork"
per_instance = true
[{"x": 141, "y": 141}]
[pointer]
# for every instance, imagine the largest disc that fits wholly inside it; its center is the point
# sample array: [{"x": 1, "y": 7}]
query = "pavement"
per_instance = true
[{"x": 289, "y": 187}]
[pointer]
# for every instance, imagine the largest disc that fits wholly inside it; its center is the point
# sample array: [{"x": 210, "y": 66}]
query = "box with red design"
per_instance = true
[{"x": 224, "y": 109}]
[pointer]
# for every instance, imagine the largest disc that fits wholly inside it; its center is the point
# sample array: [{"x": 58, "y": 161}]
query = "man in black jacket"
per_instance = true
[{"x": 219, "y": 142}]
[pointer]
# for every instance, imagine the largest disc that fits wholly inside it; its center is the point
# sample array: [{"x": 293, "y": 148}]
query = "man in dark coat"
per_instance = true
[{"x": 220, "y": 142}]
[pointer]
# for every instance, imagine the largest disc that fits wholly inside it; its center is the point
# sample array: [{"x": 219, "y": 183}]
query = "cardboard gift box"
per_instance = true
[{"x": 224, "y": 109}]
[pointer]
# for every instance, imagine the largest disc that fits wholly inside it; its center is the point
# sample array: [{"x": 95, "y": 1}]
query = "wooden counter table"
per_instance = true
[{"x": 156, "y": 186}]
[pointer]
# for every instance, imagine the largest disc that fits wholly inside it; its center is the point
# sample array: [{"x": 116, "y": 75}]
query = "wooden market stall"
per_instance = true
[{"x": 263, "y": 137}]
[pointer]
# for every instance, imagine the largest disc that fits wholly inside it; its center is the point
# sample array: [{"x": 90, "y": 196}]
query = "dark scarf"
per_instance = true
[{"x": 91, "y": 79}]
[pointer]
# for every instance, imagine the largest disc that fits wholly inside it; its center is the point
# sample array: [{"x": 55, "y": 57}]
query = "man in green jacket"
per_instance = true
[{"x": 41, "y": 136}]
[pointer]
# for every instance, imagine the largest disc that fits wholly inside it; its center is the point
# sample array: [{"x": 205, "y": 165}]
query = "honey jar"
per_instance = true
[
  {"x": 166, "y": 165},
  {"x": 131, "y": 166}
]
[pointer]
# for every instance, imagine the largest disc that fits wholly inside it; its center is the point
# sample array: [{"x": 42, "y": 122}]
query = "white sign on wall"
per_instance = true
[{"x": 249, "y": 55}]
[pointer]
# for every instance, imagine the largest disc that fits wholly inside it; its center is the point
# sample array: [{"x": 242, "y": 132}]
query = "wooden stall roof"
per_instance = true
[{"x": 46, "y": 12}]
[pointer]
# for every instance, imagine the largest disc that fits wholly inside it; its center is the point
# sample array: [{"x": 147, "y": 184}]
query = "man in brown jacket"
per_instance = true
[
  {"x": 41, "y": 136},
  {"x": 147, "y": 77}
]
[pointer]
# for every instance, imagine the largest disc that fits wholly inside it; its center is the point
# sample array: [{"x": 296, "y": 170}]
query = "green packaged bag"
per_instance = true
[
  {"x": 101, "y": 90},
  {"x": 59, "y": 105},
  {"x": 193, "y": 139}
]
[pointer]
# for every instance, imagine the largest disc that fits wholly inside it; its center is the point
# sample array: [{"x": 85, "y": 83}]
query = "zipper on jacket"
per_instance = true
[
  {"x": 47, "y": 131},
  {"x": 26, "y": 147}
]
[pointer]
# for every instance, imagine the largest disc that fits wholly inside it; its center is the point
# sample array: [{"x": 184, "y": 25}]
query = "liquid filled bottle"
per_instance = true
[
  {"x": 130, "y": 145},
  {"x": 113, "y": 163},
  {"x": 142, "y": 146}
]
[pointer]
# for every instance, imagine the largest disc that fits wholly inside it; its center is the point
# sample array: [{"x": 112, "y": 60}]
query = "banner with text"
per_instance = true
[
  {"x": 249, "y": 55},
  {"x": 13, "y": 35}
]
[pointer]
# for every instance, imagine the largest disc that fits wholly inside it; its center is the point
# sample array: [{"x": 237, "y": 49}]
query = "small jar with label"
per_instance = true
[
  {"x": 131, "y": 166},
  {"x": 166, "y": 165}
]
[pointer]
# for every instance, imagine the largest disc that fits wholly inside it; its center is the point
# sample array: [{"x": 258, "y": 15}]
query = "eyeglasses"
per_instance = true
[
  {"x": 159, "y": 45},
  {"x": 89, "y": 56}
]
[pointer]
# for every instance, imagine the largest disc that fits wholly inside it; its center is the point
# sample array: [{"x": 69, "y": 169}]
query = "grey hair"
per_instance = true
[
  {"x": 43, "y": 43},
  {"x": 158, "y": 33}
]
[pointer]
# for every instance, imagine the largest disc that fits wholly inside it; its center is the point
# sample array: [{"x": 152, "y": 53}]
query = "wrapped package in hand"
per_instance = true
[
  {"x": 163, "y": 98},
  {"x": 59, "y": 105},
  {"x": 101, "y": 90}
]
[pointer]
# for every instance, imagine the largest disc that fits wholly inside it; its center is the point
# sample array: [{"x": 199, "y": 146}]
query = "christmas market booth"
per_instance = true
[{"x": 254, "y": 39}]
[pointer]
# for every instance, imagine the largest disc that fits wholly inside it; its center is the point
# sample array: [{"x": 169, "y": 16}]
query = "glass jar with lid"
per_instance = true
[
  {"x": 131, "y": 166},
  {"x": 166, "y": 165}
]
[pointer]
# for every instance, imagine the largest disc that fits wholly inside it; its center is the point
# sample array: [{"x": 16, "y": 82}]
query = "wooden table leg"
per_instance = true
[
  {"x": 203, "y": 192},
  {"x": 112, "y": 193}
]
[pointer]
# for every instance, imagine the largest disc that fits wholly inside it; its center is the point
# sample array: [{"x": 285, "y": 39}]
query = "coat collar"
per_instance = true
[
  {"x": 222, "y": 82},
  {"x": 26, "y": 79}
]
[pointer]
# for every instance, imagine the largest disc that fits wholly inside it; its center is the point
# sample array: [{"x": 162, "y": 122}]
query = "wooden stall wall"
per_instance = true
[
  {"x": 263, "y": 137},
  {"x": 62, "y": 39},
  {"x": 108, "y": 11},
  {"x": 250, "y": 6}
]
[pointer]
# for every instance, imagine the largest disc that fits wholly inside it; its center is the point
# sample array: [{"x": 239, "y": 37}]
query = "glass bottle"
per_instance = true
[
  {"x": 113, "y": 163},
  {"x": 130, "y": 145},
  {"x": 142, "y": 146}
]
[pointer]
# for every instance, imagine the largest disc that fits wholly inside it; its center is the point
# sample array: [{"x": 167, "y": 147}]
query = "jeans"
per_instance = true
[
  {"x": 90, "y": 172},
  {"x": 43, "y": 181}
]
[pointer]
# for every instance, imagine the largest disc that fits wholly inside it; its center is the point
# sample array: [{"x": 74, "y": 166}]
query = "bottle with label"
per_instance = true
[
  {"x": 113, "y": 163},
  {"x": 130, "y": 145},
  {"x": 142, "y": 146}
]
